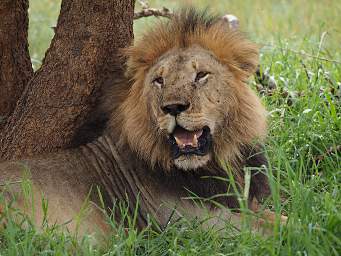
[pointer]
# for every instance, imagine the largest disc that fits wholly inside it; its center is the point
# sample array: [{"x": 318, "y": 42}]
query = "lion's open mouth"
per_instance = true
[{"x": 184, "y": 142}]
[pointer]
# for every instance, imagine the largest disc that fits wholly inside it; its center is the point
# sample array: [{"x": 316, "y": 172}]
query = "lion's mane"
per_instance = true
[{"x": 246, "y": 120}]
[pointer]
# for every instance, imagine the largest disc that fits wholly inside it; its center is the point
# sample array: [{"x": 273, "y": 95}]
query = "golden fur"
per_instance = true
[{"x": 201, "y": 38}]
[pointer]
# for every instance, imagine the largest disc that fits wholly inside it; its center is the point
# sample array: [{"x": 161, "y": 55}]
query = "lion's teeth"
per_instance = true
[
  {"x": 179, "y": 142},
  {"x": 171, "y": 125},
  {"x": 182, "y": 143},
  {"x": 195, "y": 141}
]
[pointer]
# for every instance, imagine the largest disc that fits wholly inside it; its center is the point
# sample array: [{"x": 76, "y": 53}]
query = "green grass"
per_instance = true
[{"x": 303, "y": 122}]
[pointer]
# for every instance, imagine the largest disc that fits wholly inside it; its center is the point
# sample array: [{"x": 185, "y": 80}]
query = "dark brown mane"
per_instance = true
[{"x": 189, "y": 20}]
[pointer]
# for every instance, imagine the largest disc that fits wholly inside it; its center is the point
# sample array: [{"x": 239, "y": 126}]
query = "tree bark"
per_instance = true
[
  {"x": 82, "y": 58},
  {"x": 15, "y": 64}
]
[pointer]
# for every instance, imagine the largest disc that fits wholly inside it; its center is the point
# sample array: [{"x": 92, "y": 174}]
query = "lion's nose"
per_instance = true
[{"x": 174, "y": 109}]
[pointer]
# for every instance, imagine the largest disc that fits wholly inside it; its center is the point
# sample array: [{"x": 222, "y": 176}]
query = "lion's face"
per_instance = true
[
  {"x": 189, "y": 103},
  {"x": 190, "y": 109},
  {"x": 189, "y": 94}
]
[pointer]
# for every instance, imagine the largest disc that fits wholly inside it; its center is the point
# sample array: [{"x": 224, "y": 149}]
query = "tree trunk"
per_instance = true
[
  {"x": 82, "y": 58},
  {"x": 15, "y": 65}
]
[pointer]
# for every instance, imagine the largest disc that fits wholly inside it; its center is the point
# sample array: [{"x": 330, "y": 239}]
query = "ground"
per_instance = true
[{"x": 301, "y": 50}]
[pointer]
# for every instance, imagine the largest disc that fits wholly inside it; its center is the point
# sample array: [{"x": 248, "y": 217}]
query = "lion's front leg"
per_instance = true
[
  {"x": 260, "y": 222},
  {"x": 265, "y": 219},
  {"x": 255, "y": 219}
]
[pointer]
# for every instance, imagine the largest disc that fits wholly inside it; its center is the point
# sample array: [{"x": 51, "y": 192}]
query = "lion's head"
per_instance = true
[{"x": 189, "y": 104}]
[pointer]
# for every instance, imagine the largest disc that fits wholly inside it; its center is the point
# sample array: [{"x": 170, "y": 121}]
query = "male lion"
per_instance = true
[{"x": 184, "y": 112}]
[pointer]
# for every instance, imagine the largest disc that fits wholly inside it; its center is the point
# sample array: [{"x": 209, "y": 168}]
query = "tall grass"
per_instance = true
[{"x": 304, "y": 121}]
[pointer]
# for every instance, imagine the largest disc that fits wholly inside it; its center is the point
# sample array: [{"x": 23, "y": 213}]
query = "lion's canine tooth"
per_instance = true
[
  {"x": 179, "y": 142},
  {"x": 171, "y": 125},
  {"x": 195, "y": 141}
]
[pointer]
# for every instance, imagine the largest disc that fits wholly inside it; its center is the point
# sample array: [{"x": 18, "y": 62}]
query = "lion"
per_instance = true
[{"x": 183, "y": 112}]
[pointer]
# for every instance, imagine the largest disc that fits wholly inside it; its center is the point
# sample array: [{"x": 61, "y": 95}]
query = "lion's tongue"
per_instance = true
[{"x": 186, "y": 138}]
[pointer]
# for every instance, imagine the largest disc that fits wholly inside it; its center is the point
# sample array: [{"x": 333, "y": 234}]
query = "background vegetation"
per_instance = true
[{"x": 301, "y": 52}]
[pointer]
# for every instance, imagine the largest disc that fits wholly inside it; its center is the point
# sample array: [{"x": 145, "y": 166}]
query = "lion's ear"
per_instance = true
[
  {"x": 245, "y": 58},
  {"x": 232, "y": 48}
]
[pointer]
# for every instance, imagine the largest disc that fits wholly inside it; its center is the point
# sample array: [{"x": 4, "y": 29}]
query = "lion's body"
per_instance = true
[
  {"x": 69, "y": 182},
  {"x": 192, "y": 63}
]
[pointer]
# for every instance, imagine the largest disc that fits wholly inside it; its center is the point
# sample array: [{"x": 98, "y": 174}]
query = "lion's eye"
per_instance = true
[
  {"x": 158, "y": 81},
  {"x": 201, "y": 76}
]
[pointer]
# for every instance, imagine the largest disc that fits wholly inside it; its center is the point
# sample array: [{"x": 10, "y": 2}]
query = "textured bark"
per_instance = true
[
  {"x": 15, "y": 65},
  {"x": 62, "y": 94}
]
